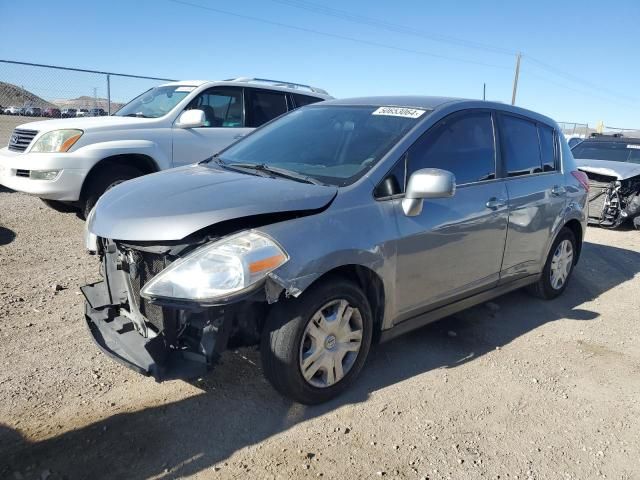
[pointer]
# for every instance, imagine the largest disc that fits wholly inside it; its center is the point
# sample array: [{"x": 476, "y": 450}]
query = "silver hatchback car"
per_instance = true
[{"x": 332, "y": 227}]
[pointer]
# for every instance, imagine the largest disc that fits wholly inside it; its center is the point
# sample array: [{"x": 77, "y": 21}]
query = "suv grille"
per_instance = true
[{"x": 20, "y": 139}]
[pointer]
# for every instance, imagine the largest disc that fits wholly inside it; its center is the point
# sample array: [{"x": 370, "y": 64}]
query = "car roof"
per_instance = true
[
  {"x": 256, "y": 83},
  {"x": 613, "y": 139},
  {"x": 434, "y": 103}
]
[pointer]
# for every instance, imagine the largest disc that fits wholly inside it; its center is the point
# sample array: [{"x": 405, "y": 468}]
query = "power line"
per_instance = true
[
  {"x": 338, "y": 36},
  {"x": 355, "y": 18},
  {"x": 393, "y": 27}
]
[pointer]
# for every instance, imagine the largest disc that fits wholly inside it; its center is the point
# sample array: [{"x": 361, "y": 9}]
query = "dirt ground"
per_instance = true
[{"x": 515, "y": 389}]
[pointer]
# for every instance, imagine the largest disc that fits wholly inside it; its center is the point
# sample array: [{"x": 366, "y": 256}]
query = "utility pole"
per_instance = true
[
  {"x": 484, "y": 91},
  {"x": 515, "y": 79}
]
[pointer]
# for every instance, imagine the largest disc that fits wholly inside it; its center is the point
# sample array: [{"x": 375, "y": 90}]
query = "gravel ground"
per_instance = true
[{"x": 514, "y": 389}]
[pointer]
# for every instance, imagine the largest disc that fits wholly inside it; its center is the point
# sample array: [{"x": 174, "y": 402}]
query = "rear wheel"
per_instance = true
[
  {"x": 314, "y": 346},
  {"x": 103, "y": 180},
  {"x": 558, "y": 267}
]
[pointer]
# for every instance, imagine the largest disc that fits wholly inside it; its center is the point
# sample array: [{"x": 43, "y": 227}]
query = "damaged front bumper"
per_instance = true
[{"x": 187, "y": 347}]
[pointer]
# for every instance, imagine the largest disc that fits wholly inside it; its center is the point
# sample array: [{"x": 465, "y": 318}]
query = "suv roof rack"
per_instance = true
[{"x": 279, "y": 83}]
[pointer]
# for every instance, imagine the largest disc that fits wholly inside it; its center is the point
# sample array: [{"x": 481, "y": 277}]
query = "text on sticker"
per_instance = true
[
  {"x": 634, "y": 146},
  {"x": 399, "y": 112}
]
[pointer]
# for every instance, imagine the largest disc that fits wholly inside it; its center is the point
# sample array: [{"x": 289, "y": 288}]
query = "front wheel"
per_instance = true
[
  {"x": 103, "y": 180},
  {"x": 558, "y": 267},
  {"x": 313, "y": 347}
]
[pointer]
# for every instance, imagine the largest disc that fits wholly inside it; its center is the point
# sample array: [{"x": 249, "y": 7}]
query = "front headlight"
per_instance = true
[
  {"x": 219, "y": 269},
  {"x": 57, "y": 141}
]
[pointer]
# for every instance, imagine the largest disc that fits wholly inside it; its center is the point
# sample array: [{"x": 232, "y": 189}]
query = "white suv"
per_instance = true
[{"x": 73, "y": 161}]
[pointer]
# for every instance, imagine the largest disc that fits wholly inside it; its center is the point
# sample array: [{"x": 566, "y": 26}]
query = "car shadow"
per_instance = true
[
  {"x": 238, "y": 408},
  {"x": 6, "y": 236}
]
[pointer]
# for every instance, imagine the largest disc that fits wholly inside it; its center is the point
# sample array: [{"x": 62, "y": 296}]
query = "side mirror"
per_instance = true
[
  {"x": 191, "y": 119},
  {"x": 427, "y": 183}
]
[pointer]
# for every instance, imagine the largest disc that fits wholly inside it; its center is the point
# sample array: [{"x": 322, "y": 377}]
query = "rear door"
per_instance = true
[
  {"x": 537, "y": 194},
  {"x": 265, "y": 105},
  {"x": 454, "y": 247},
  {"x": 224, "y": 111}
]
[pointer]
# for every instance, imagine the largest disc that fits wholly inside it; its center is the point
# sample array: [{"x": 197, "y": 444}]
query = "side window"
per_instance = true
[
  {"x": 463, "y": 145},
  {"x": 222, "y": 106},
  {"x": 547, "y": 148},
  {"x": 521, "y": 147},
  {"x": 263, "y": 106},
  {"x": 302, "y": 100}
]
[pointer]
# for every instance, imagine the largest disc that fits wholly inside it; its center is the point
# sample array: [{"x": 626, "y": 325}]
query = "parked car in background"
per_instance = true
[
  {"x": 612, "y": 163},
  {"x": 1, "y": 110},
  {"x": 337, "y": 224},
  {"x": 51, "y": 113},
  {"x": 76, "y": 160},
  {"x": 97, "y": 112},
  {"x": 82, "y": 112},
  {"x": 12, "y": 110},
  {"x": 32, "y": 112},
  {"x": 573, "y": 141},
  {"x": 68, "y": 113}
]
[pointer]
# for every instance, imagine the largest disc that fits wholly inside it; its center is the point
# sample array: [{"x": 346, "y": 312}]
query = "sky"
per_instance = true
[{"x": 579, "y": 59}]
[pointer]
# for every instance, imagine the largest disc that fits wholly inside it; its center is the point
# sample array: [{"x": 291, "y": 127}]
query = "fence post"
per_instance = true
[{"x": 108, "y": 94}]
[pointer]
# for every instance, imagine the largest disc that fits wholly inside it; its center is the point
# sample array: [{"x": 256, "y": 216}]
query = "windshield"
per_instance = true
[
  {"x": 333, "y": 144},
  {"x": 616, "y": 151},
  {"x": 156, "y": 102}
]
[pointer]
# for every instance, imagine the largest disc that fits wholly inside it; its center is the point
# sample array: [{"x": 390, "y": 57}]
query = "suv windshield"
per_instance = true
[
  {"x": 333, "y": 144},
  {"x": 616, "y": 151},
  {"x": 156, "y": 102}
]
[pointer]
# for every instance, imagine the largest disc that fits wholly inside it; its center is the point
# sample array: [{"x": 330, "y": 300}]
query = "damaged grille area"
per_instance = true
[
  {"x": 598, "y": 194},
  {"x": 143, "y": 266}
]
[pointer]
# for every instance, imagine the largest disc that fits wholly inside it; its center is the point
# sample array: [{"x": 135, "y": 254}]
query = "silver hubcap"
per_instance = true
[
  {"x": 561, "y": 264},
  {"x": 330, "y": 343}
]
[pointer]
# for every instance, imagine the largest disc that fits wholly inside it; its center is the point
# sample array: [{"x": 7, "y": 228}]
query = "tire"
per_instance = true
[
  {"x": 103, "y": 180},
  {"x": 544, "y": 288},
  {"x": 286, "y": 340},
  {"x": 59, "y": 206}
]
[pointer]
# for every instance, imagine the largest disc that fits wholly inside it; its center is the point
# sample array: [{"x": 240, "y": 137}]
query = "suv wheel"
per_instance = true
[
  {"x": 104, "y": 180},
  {"x": 558, "y": 267},
  {"x": 314, "y": 346}
]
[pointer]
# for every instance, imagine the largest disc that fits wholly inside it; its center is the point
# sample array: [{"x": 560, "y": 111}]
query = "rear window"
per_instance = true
[
  {"x": 521, "y": 146},
  {"x": 302, "y": 100},
  {"x": 614, "y": 151},
  {"x": 263, "y": 106}
]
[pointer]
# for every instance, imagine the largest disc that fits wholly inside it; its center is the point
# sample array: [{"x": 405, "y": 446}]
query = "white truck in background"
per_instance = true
[{"x": 71, "y": 162}]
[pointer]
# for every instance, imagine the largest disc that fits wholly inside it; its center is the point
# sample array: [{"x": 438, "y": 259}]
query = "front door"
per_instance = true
[
  {"x": 454, "y": 247},
  {"x": 223, "y": 109}
]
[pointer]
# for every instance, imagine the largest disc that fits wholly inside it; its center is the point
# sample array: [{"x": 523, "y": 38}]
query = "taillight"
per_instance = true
[{"x": 582, "y": 178}]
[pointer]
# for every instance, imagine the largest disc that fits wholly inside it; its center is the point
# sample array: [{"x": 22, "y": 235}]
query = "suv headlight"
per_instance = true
[
  {"x": 56, "y": 141},
  {"x": 219, "y": 269}
]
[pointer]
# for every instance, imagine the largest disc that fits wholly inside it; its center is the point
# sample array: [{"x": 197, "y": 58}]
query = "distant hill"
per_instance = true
[
  {"x": 87, "y": 102},
  {"x": 14, "y": 95}
]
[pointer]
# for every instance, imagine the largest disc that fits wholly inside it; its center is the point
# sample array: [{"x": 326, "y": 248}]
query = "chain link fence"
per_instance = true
[
  {"x": 572, "y": 129},
  {"x": 32, "y": 92}
]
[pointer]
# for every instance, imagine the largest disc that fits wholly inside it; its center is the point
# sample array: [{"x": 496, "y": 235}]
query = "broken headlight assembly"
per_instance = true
[{"x": 217, "y": 270}]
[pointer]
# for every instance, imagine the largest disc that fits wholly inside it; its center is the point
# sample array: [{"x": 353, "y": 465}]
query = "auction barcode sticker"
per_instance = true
[
  {"x": 636, "y": 146},
  {"x": 399, "y": 112}
]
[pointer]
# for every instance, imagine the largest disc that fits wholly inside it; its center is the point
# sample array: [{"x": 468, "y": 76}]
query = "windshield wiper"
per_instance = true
[
  {"x": 139, "y": 115},
  {"x": 275, "y": 171}
]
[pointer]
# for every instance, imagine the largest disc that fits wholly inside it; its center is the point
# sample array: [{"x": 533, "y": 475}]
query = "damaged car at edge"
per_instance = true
[
  {"x": 333, "y": 227},
  {"x": 612, "y": 163}
]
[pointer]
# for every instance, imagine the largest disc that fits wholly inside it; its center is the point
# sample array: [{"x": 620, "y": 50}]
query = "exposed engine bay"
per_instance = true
[{"x": 613, "y": 202}]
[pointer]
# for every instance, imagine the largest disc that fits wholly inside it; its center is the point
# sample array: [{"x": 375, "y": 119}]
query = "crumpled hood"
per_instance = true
[
  {"x": 619, "y": 170},
  {"x": 175, "y": 203}
]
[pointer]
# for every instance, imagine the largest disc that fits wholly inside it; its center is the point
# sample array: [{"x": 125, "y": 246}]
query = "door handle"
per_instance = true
[
  {"x": 558, "y": 190},
  {"x": 495, "y": 203},
  {"x": 240, "y": 135}
]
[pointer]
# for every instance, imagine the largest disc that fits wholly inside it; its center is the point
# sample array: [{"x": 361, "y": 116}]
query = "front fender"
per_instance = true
[
  {"x": 345, "y": 234},
  {"x": 101, "y": 150}
]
